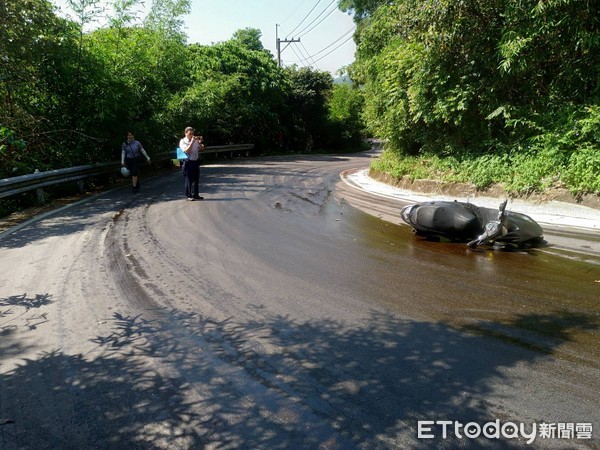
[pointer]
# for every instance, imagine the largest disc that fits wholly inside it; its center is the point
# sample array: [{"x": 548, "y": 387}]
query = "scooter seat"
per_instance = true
[{"x": 446, "y": 219}]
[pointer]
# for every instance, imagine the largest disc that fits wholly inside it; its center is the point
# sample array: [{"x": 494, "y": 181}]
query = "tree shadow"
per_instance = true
[
  {"x": 176, "y": 379},
  {"x": 15, "y": 308},
  {"x": 35, "y": 302}
]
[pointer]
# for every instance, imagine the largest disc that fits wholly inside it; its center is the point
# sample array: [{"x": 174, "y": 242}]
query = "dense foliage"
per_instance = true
[
  {"x": 69, "y": 95},
  {"x": 494, "y": 90}
]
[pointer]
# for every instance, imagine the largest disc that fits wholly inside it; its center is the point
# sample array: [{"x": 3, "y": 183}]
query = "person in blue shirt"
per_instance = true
[{"x": 131, "y": 152}]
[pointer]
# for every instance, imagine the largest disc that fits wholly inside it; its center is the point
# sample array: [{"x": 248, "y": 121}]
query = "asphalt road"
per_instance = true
[{"x": 282, "y": 312}]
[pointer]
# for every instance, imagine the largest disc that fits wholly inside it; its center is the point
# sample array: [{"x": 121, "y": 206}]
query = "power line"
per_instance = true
[
  {"x": 293, "y": 12},
  {"x": 333, "y": 43},
  {"x": 315, "y": 61},
  {"x": 305, "y": 59},
  {"x": 327, "y": 54},
  {"x": 302, "y": 32},
  {"x": 301, "y": 59},
  {"x": 315, "y": 22},
  {"x": 309, "y": 57},
  {"x": 305, "y": 17}
]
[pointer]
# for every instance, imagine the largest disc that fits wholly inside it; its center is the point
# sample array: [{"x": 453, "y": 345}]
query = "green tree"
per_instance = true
[
  {"x": 345, "y": 109},
  {"x": 166, "y": 16},
  {"x": 141, "y": 72},
  {"x": 249, "y": 38},
  {"x": 463, "y": 79},
  {"x": 141, "y": 67},
  {"x": 38, "y": 49},
  {"x": 361, "y": 9},
  {"x": 233, "y": 93},
  {"x": 306, "y": 102},
  {"x": 123, "y": 17}
]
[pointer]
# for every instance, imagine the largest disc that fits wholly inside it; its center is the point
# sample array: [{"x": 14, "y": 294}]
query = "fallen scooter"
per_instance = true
[{"x": 476, "y": 225}]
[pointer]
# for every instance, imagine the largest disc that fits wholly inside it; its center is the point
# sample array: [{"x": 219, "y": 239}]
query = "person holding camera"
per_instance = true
[
  {"x": 192, "y": 146},
  {"x": 131, "y": 152}
]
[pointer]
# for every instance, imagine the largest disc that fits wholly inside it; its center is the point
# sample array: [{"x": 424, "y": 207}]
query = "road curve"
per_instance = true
[{"x": 278, "y": 314}]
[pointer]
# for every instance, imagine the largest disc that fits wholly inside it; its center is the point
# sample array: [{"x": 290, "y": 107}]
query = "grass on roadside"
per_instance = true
[{"x": 519, "y": 172}]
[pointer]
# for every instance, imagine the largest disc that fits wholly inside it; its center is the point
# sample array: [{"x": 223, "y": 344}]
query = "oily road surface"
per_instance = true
[{"x": 278, "y": 313}]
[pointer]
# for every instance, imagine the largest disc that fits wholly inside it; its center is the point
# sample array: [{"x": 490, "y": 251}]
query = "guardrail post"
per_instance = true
[
  {"x": 81, "y": 186},
  {"x": 39, "y": 192},
  {"x": 40, "y": 196}
]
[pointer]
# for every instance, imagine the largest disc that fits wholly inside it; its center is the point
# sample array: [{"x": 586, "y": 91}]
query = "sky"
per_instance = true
[{"x": 324, "y": 31}]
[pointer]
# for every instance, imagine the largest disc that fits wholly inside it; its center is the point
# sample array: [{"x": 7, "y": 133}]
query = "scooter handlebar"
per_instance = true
[{"x": 477, "y": 242}]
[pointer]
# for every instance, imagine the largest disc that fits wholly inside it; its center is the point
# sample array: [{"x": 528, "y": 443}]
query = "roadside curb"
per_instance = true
[{"x": 553, "y": 213}]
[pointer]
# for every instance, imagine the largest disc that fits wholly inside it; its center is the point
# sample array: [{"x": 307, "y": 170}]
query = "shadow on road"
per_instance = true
[{"x": 273, "y": 383}]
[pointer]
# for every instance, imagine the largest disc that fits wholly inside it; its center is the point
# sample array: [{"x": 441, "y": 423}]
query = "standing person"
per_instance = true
[
  {"x": 131, "y": 152},
  {"x": 192, "y": 146}
]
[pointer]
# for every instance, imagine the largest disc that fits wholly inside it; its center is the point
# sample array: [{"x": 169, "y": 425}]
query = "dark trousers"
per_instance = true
[
  {"x": 133, "y": 164},
  {"x": 191, "y": 173}
]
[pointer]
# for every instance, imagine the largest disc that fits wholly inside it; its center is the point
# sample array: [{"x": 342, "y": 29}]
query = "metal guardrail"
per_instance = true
[
  {"x": 24, "y": 183},
  {"x": 37, "y": 181},
  {"x": 232, "y": 148}
]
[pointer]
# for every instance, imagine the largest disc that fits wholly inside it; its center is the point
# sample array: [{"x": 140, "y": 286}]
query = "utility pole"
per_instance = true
[{"x": 278, "y": 44}]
